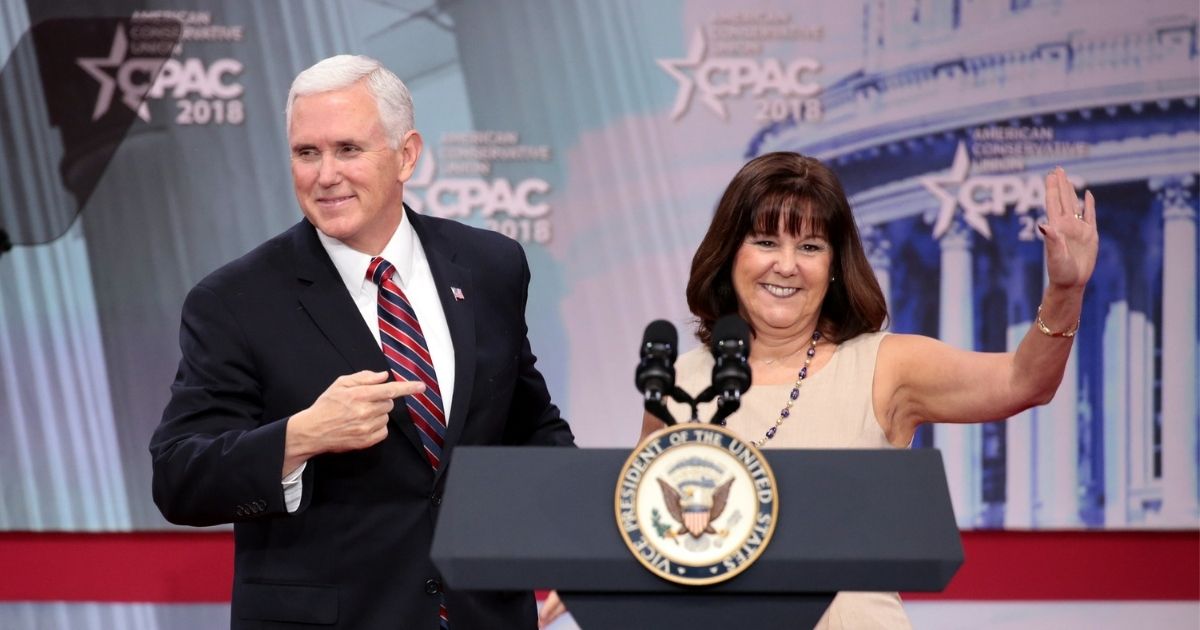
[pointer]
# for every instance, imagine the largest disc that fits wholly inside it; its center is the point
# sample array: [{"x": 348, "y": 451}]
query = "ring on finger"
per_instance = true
[{"x": 1079, "y": 215}]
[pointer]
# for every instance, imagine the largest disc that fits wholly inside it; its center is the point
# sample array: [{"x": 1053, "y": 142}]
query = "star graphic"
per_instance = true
[
  {"x": 946, "y": 188},
  {"x": 687, "y": 86},
  {"x": 93, "y": 65}
]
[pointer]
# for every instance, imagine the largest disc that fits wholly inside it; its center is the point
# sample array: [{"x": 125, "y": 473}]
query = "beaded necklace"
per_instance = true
[{"x": 787, "y": 410}]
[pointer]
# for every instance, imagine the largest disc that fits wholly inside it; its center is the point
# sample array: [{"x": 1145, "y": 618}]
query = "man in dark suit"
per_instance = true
[{"x": 328, "y": 375}]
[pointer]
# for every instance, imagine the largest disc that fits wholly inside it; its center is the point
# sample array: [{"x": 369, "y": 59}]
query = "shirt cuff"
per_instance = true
[{"x": 293, "y": 488}]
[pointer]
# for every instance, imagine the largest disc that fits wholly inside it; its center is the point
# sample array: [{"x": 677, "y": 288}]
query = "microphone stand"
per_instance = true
[
  {"x": 728, "y": 402},
  {"x": 654, "y": 405}
]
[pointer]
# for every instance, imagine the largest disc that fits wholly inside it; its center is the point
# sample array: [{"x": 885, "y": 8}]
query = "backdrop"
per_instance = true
[{"x": 143, "y": 150}]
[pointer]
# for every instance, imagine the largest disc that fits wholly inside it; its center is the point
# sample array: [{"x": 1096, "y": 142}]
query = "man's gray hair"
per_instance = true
[{"x": 342, "y": 71}]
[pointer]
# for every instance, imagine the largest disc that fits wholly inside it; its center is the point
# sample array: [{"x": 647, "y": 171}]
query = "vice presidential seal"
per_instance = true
[{"x": 695, "y": 504}]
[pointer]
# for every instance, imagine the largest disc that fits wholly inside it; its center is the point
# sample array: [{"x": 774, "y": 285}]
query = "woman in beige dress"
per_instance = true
[{"x": 783, "y": 252}]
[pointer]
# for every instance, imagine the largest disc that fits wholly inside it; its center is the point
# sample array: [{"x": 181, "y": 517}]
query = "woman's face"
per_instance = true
[{"x": 780, "y": 281}]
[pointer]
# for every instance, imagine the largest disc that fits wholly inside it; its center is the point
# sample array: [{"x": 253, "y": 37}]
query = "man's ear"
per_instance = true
[{"x": 410, "y": 151}]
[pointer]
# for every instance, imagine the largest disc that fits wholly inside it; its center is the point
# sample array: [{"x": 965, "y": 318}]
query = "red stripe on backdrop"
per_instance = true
[
  {"x": 1074, "y": 565},
  {"x": 161, "y": 567},
  {"x": 197, "y": 567}
]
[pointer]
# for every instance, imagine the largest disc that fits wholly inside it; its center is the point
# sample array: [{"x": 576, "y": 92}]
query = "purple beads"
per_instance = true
[{"x": 795, "y": 393}]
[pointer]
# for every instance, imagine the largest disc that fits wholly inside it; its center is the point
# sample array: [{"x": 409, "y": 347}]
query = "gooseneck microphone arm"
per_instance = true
[
  {"x": 727, "y": 403},
  {"x": 659, "y": 410}
]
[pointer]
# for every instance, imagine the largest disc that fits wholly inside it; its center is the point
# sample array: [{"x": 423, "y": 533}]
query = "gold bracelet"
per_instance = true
[{"x": 1041, "y": 325}]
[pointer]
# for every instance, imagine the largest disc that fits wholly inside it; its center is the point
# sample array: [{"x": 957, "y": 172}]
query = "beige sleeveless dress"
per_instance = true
[{"x": 834, "y": 410}]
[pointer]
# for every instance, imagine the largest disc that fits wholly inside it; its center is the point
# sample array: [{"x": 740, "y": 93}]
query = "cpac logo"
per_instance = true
[
  {"x": 982, "y": 195},
  {"x": 458, "y": 197},
  {"x": 133, "y": 74},
  {"x": 723, "y": 77}
]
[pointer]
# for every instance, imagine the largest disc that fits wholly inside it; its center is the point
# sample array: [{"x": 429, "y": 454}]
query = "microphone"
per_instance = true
[
  {"x": 655, "y": 374},
  {"x": 731, "y": 371}
]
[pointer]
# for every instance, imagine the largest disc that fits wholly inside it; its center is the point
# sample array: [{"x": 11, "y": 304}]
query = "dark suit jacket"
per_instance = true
[{"x": 262, "y": 338}]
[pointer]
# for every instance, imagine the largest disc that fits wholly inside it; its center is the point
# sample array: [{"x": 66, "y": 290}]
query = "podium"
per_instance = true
[{"x": 518, "y": 518}]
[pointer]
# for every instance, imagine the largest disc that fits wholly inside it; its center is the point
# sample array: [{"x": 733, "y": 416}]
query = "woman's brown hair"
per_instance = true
[{"x": 805, "y": 194}]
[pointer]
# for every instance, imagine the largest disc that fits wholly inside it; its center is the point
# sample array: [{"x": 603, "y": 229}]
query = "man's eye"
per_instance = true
[
  {"x": 307, "y": 155},
  {"x": 349, "y": 151}
]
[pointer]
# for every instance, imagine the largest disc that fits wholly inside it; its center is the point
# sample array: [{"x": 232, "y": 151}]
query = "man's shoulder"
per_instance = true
[
  {"x": 266, "y": 264},
  {"x": 469, "y": 238}
]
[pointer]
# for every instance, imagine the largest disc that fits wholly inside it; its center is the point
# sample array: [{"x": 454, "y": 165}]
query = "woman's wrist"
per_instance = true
[{"x": 1047, "y": 330}]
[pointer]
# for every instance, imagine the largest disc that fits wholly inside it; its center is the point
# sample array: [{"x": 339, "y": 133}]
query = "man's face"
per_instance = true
[{"x": 349, "y": 182}]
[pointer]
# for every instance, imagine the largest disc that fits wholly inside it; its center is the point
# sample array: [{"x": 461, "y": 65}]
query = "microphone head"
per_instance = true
[
  {"x": 655, "y": 375},
  {"x": 732, "y": 328},
  {"x": 731, "y": 351},
  {"x": 661, "y": 333}
]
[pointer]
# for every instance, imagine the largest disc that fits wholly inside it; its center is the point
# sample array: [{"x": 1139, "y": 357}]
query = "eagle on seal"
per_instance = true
[{"x": 695, "y": 510}]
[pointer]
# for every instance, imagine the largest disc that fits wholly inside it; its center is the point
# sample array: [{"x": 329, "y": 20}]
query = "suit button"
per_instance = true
[
  {"x": 437, "y": 499},
  {"x": 433, "y": 587}
]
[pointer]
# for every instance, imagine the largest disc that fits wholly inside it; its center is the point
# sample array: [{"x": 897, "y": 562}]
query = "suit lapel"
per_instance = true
[
  {"x": 460, "y": 319},
  {"x": 323, "y": 296}
]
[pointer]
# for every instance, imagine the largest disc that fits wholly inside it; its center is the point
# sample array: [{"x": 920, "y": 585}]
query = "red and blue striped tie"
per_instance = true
[{"x": 408, "y": 357}]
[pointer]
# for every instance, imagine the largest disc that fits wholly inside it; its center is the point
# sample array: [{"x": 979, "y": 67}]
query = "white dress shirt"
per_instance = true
[{"x": 406, "y": 254}]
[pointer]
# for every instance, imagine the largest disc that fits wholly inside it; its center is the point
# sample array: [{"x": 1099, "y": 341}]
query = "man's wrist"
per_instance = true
[{"x": 297, "y": 446}]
